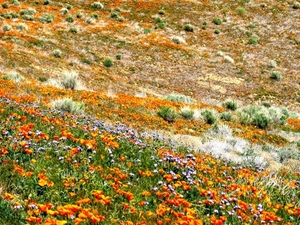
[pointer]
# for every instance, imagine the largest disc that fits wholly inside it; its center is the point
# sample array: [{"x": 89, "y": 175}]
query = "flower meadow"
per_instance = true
[
  {"x": 59, "y": 168},
  {"x": 101, "y": 120}
]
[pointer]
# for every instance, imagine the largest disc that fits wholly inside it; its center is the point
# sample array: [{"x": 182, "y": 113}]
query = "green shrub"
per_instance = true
[
  {"x": 6, "y": 27},
  {"x": 226, "y": 116},
  {"x": 70, "y": 19},
  {"x": 208, "y": 117},
  {"x": 108, "y": 62},
  {"x": 240, "y": 11},
  {"x": 217, "y": 31},
  {"x": 272, "y": 64},
  {"x": 90, "y": 20},
  {"x": 118, "y": 56},
  {"x": 230, "y": 105},
  {"x": 69, "y": 7},
  {"x": 29, "y": 11},
  {"x": 57, "y": 53},
  {"x": 187, "y": 113},
  {"x": 114, "y": 15},
  {"x": 167, "y": 114},
  {"x": 42, "y": 79},
  {"x": 160, "y": 23},
  {"x": 275, "y": 75},
  {"x": 79, "y": 15},
  {"x": 15, "y": 2},
  {"x": 253, "y": 39},
  {"x": 261, "y": 120},
  {"x": 245, "y": 118},
  {"x": 4, "y": 5},
  {"x": 14, "y": 77},
  {"x": 180, "y": 98},
  {"x": 258, "y": 116},
  {"x": 296, "y": 5},
  {"x": 94, "y": 16},
  {"x": 70, "y": 80},
  {"x": 73, "y": 30},
  {"x": 22, "y": 26},
  {"x": 68, "y": 105},
  {"x": 188, "y": 27},
  {"x": 46, "y": 18},
  {"x": 178, "y": 40},
  {"x": 28, "y": 17},
  {"x": 147, "y": 30},
  {"x": 252, "y": 26},
  {"x": 46, "y": 2},
  {"x": 10, "y": 15},
  {"x": 64, "y": 11},
  {"x": 97, "y": 5},
  {"x": 161, "y": 12},
  {"x": 217, "y": 21}
]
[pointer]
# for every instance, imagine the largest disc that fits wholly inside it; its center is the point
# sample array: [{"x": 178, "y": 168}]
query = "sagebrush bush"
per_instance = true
[
  {"x": 208, "y": 116},
  {"x": 46, "y": 18},
  {"x": 217, "y": 21},
  {"x": 180, "y": 98},
  {"x": 4, "y": 5},
  {"x": 272, "y": 64},
  {"x": 64, "y": 11},
  {"x": 255, "y": 115},
  {"x": 226, "y": 116},
  {"x": 22, "y": 26},
  {"x": 28, "y": 17},
  {"x": 73, "y": 30},
  {"x": 70, "y": 19},
  {"x": 46, "y": 2},
  {"x": 69, "y": 80},
  {"x": 187, "y": 113},
  {"x": 296, "y": 5},
  {"x": 79, "y": 15},
  {"x": 15, "y": 2},
  {"x": 69, "y": 7},
  {"x": 188, "y": 27},
  {"x": 161, "y": 12},
  {"x": 108, "y": 62},
  {"x": 167, "y": 114},
  {"x": 14, "y": 76},
  {"x": 118, "y": 56},
  {"x": 94, "y": 16},
  {"x": 68, "y": 105},
  {"x": 57, "y": 53},
  {"x": 6, "y": 27},
  {"x": 29, "y": 11},
  {"x": 178, "y": 40},
  {"x": 97, "y": 5},
  {"x": 230, "y": 105},
  {"x": 261, "y": 120},
  {"x": 253, "y": 39},
  {"x": 240, "y": 11},
  {"x": 114, "y": 15},
  {"x": 275, "y": 75}
]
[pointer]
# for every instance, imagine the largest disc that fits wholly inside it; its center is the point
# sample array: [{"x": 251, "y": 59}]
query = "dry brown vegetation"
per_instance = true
[{"x": 152, "y": 61}]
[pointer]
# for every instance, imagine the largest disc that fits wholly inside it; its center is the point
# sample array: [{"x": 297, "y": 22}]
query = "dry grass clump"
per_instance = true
[
  {"x": 68, "y": 80},
  {"x": 68, "y": 105}
]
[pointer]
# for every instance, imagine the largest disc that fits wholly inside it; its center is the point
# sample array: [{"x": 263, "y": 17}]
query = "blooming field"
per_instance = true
[
  {"x": 90, "y": 135},
  {"x": 57, "y": 168}
]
